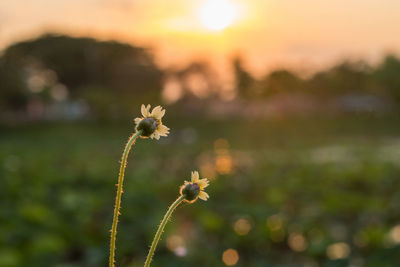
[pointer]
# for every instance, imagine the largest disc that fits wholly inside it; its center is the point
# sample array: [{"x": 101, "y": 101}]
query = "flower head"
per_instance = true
[
  {"x": 195, "y": 188},
  {"x": 150, "y": 124}
]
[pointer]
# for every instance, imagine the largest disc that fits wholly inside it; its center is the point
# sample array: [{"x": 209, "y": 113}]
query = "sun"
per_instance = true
[{"x": 217, "y": 14}]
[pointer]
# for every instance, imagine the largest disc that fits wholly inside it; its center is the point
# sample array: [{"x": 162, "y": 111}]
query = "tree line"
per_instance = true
[{"x": 112, "y": 77}]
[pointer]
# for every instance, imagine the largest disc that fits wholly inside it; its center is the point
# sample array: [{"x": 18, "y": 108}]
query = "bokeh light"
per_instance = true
[
  {"x": 230, "y": 257},
  {"x": 223, "y": 164},
  {"x": 223, "y": 160},
  {"x": 394, "y": 234},
  {"x": 275, "y": 222},
  {"x": 175, "y": 243},
  {"x": 297, "y": 242},
  {"x": 338, "y": 250},
  {"x": 242, "y": 226}
]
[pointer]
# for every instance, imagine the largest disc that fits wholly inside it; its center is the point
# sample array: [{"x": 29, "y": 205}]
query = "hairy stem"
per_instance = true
[
  {"x": 161, "y": 229},
  {"x": 124, "y": 158}
]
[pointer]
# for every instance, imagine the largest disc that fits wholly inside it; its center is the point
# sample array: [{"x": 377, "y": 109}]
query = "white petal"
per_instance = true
[
  {"x": 203, "y": 195},
  {"x": 156, "y": 113},
  {"x": 138, "y": 120},
  {"x": 162, "y": 113},
  {"x": 195, "y": 176},
  {"x": 163, "y": 130},
  {"x": 203, "y": 183},
  {"x": 161, "y": 133},
  {"x": 156, "y": 135},
  {"x": 146, "y": 110},
  {"x": 143, "y": 110}
]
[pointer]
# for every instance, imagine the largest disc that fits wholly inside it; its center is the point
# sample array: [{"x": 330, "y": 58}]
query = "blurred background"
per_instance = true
[{"x": 290, "y": 108}]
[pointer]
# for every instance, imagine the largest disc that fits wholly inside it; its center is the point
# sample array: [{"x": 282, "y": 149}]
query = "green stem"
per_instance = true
[
  {"x": 161, "y": 229},
  {"x": 128, "y": 146}
]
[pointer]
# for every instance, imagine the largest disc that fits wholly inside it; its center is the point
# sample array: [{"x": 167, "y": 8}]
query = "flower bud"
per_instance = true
[
  {"x": 147, "y": 126},
  {"x": 190, "y": 191}
]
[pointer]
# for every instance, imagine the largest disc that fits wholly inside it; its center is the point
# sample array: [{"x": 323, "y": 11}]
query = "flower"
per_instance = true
[
  {"x": 150, "y": 124},
  {"x": 194, "y": 189}
]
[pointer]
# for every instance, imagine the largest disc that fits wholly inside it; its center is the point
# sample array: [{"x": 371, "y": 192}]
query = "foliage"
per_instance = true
[
  {"x": 82, "y": 65},
  {"x": 328, "y": 180},
  {"x": 112, "y": 77},
  {"x": 387, "y": 77}
]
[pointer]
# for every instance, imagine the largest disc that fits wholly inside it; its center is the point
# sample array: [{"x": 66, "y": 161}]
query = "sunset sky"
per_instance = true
[{"x": 267, "y": 33}]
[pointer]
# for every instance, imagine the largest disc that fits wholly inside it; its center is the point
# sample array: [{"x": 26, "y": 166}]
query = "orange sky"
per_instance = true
[{"x": 267, "y": 33}]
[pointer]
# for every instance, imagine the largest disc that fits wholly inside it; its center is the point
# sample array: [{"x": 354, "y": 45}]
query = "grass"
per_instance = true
[{"x": 298, "y": 186}]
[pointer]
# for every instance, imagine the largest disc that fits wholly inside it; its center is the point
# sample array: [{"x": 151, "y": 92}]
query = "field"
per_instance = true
[{"x": 285, "y": 192}]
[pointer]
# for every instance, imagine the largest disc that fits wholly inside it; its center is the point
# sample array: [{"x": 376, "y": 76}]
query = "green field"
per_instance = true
[{"x": 287, "y": 192}]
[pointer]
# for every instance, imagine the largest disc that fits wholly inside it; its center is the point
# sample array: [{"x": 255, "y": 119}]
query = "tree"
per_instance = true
[
  {"x": 244, "y": 81},
  {"x": 342, "y": 79},
  {"x": 281, "y": 81},
  {"x": 387, "y": 77},
  {"x": 125, "y": 72}
]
